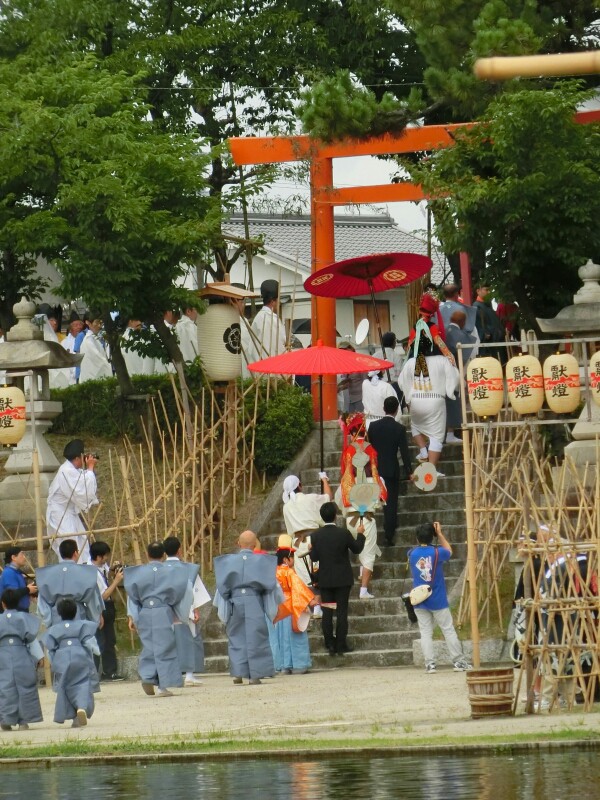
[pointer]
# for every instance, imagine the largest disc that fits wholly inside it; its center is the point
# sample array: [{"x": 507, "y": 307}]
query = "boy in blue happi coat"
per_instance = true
[
  {"x": 71, "y": 646},
  {"x": 20, "y": 653}
]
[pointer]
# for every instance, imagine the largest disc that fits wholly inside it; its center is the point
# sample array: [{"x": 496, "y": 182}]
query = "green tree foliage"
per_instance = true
[
  {"x": 444, "y": 38},
  {"x": 117, "y": 204},
  {"x": 452, "y": 34},
  {"x": 219, "y": 68},
  {"x": 523, "y": 189},
  {"x": 337, "y": 107}
]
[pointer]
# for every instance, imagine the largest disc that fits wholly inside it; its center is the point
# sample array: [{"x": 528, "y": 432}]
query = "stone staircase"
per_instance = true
[{"x": 379, "y": 629}]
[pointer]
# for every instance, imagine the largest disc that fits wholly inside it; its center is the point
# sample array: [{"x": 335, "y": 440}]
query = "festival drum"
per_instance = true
[
  {"x": 525, "y": 384},
  {"x": 561, "y": 383},
  {"x": 485, "y": 386},
  {"x": 12, "y": 415},
  {"x": 220, "y": 342}
]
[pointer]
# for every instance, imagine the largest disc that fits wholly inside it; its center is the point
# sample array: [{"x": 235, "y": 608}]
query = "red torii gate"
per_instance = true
[{"x": 324, "y": 196}]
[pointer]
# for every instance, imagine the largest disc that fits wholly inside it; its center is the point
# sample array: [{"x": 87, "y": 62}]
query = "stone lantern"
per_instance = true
[
  {"x": 25, "y": 349},
  {"x": 582, "y": 319}
]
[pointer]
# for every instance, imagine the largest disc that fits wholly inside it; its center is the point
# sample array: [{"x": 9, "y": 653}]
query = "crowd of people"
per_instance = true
[
  {"x": 265, "y": 601},
  {"x": 264, "y": 605},
  {"x": 84, "y": 334}
]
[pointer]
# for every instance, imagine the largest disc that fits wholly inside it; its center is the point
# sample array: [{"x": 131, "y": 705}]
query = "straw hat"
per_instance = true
[{"x": 285, "y": 542}]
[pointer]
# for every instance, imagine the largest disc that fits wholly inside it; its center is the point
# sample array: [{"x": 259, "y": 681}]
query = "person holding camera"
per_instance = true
[
  {"x": 72, "y": 492},
  {"x": 105, "y": 636},
  {"x": 426, "y": 565}
]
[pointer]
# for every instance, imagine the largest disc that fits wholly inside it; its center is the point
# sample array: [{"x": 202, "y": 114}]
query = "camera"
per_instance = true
[{"x": 93, "y": 455}]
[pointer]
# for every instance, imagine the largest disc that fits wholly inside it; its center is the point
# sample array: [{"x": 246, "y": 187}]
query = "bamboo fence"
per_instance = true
[
  {"x": 527, "y": 511},
  {"x": 172, "y": 483}
]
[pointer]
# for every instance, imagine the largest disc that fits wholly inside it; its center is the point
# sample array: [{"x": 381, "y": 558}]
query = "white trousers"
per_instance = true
[{"x": 427, "y": 621}]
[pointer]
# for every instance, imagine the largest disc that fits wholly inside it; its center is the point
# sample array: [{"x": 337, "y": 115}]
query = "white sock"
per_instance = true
[
  {"x": 316, "y": 609},
  {"x": 189, "y": 676},
  {"x": 364, "y": 590},
  {"x": 423, "y": 453}
]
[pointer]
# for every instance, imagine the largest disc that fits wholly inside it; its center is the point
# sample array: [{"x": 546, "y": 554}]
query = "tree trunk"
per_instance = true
[
  {"x": 116, "y": 356},
  {"x": 169, "y": 340}
]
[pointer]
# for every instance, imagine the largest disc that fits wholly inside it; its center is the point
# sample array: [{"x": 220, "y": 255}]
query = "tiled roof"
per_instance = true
[{"x": 354, "y": 236}]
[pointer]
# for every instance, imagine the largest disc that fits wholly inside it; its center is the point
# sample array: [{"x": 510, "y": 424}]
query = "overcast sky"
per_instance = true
[{"x": 364, "y": 171}]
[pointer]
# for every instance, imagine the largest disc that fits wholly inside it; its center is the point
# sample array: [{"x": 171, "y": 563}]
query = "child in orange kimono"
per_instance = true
[{"x": 288, "y": 636}]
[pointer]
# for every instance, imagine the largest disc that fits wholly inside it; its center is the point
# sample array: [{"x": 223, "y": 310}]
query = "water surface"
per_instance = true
[{"x": 547, "y": 776}]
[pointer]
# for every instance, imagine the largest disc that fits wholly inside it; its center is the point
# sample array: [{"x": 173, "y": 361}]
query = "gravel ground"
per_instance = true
[{"x": 335, "y": 704}]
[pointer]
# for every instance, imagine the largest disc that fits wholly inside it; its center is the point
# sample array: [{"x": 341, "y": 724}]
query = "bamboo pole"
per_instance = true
[
  {"x": 131, "y": 511},
  {"x": 471, "y": 548},
  {"x": 39, "y": 521}
]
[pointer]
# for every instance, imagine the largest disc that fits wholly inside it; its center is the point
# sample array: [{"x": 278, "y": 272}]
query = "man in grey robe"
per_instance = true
[
  {"x": 20, "y": 653},
  {"x": 68, "y": 579},
  {"x": 247, "y": 590},
  {"x": 188, "y": 637},
  {"x": 157, "y": 595}
]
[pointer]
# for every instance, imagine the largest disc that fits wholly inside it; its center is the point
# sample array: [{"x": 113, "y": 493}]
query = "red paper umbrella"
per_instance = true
[
  {"x": 367, "y": 274},
  {"x": 319, "y": 360}
]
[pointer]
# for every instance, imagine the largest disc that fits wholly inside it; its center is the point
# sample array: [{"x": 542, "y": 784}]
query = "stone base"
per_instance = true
[
  {"x": 585, "y": 429},
  {"x": 17, "y": 503},
  {"x": 583, "y": 452}
]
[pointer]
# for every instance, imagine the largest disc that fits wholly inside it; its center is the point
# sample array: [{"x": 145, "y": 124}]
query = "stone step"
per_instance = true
[
  {"x": 310, "y": 476},
  {"x": 362, "y": 642},
  {"x": 410, "y": 498},
  {"x": 333, "y": 457},
  {"x": 409, "y": 518},
  {"x": 322, "y": 660},
  {"x": 367, "y": 623}
]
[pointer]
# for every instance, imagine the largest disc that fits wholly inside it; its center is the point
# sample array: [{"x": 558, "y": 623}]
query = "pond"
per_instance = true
[{"x": 545, "y": 775}]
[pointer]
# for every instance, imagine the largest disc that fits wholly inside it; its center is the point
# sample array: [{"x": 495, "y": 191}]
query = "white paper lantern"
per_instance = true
[
  {"x": 561, "y": 383},
  {"x": 485, "y": 386},
  {"x": 595, "y": 377},
  {"x": 219, "y": 342},
  {"x": 12, "y": 415},
  {"x": 525, "y": 384}
]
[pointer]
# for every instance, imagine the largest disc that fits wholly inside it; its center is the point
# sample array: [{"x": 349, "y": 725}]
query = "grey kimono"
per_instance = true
[
  {"x": 247, "y": 590},
  {"x": 156, "y": 596},
  {"x": 71, "y": 646},
  {"x": 190, "y": 645},
  {"x": 19, "y": 654},
  {"x": 68, "y": 579}
]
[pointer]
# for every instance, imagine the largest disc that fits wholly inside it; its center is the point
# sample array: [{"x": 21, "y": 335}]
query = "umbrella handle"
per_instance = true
[{"x": 378, "y": 323}]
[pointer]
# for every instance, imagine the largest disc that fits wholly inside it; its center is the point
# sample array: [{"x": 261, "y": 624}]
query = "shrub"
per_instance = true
[
  {"x": 96, "y": 408},
  {"x": 282, "y": 428}
]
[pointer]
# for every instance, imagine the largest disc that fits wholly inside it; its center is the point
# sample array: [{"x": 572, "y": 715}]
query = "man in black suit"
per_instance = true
[
  {"x": 330, "y": 546},
  {"x": 387, "y": 437}
]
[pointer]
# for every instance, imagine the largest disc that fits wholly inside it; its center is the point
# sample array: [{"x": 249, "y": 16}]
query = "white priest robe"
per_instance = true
[
  {"x": 71, "y": 492},
  {"x": 269, "y": 334},
  {"x": 187, "y": 333},
  {"x": 95, "y": 364}
]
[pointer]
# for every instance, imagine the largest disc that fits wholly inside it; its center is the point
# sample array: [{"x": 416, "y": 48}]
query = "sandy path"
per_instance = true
[{"x": 334, "y": 704}]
